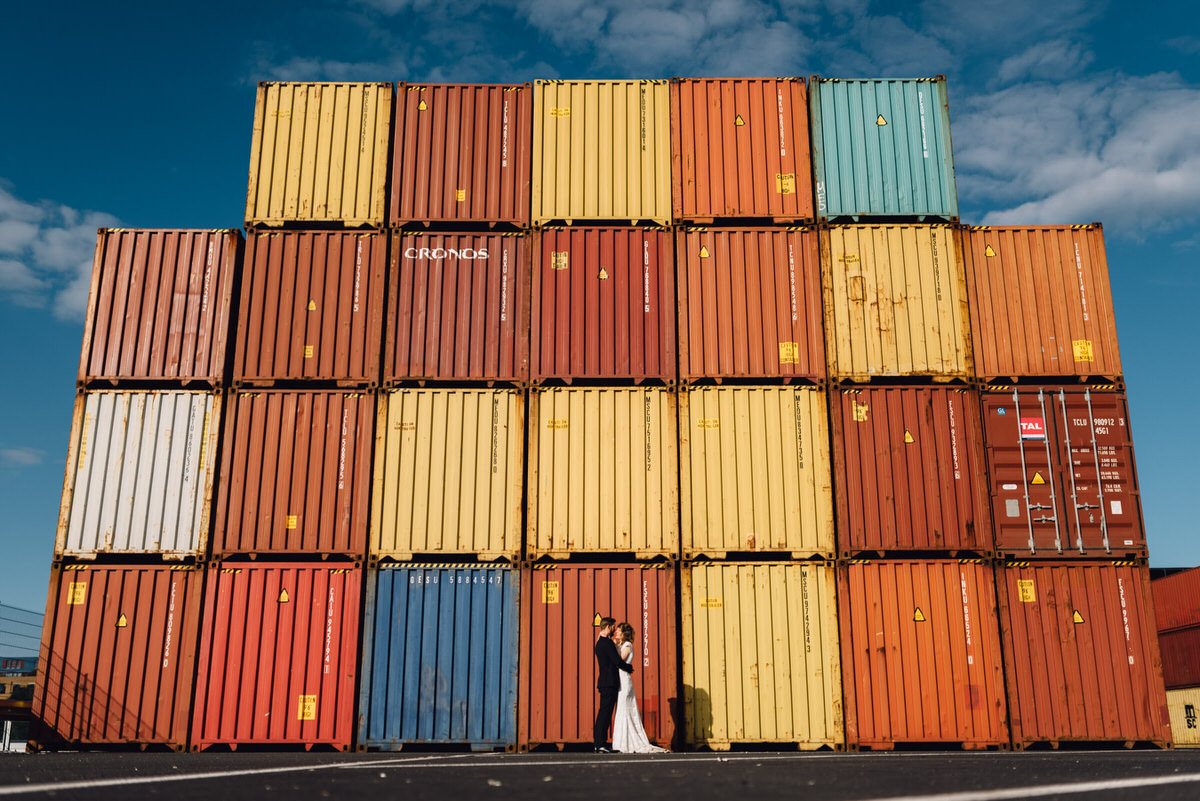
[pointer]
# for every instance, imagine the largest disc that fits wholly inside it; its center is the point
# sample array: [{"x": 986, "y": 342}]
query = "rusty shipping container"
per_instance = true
[
  {"x": 921, "y": 654},
  {"x": 159, "y": 306},
  {"x": 739, "y": 148},
  {"x": 1177, "y": 600},
  {"x": 311, "y": 308},
  {"x": 295, "y": 473},
  {"x": 760, "y": 654},
  {"x": 909, "y": 470},
  {"x": 750, "y": 304},
  {"x": 458, "y": 308},
  {"x": 603, "y": 305},
  {"x": 462, "y": 153},
  {"x": 603, "y": 473},
  {"x": 278, "y": 654},
  {"x": 1063, "y": 478},
  {"x": 319, "y": 154},
  {"x": 754, "y": 471},
  {"x": 1081, "y": 659},
  {"x": 561, "y": 607},
  {"x": 1185, "y": 727},
  {"x": 1180, "y": 650},
  {"x": 1041, "y": 304},
  {"x": 118, "y": 654}
]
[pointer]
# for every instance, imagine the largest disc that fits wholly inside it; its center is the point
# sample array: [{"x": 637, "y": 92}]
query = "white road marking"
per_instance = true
[{"x": 1038, "y": 791}]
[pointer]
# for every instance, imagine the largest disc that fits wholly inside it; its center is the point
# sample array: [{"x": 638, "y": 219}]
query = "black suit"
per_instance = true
[{"x": 608, "y": 683}]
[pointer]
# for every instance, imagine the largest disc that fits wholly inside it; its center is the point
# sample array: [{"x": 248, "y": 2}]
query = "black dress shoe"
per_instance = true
[{"x": 603, "y": 750}]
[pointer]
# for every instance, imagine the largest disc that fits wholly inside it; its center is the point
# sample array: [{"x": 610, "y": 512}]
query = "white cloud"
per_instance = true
[
  {"x": 1058, "y": 58},
  {"x": 21, "y": 457},
  {"x": 1185, "y": 44}
]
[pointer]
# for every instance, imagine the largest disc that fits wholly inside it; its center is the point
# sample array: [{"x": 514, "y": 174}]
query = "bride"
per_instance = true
[{"x": 628, "y": 735}]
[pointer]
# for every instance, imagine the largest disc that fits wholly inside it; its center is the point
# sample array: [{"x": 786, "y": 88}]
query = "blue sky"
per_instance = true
[{"x": 140, "y": 115}]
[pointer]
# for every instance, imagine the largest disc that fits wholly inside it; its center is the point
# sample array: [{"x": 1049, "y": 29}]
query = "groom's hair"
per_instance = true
[{"x": 605, "y": 622}]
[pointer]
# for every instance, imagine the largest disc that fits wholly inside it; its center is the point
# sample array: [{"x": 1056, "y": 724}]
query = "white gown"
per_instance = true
[{"x": 628, "y": 735}]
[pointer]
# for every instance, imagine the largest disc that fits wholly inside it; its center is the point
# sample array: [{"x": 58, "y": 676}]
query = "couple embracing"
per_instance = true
[{"x": 614, "y": 656}]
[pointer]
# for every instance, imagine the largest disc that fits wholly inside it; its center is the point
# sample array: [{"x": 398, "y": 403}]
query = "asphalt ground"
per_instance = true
[{"x": 295, "y": 776}]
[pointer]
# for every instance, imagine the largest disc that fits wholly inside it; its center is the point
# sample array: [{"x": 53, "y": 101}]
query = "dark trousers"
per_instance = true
[{"x": 604, "y": 716}]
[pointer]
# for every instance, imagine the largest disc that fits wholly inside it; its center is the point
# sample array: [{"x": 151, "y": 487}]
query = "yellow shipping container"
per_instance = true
[
  {"x": 319, "y": 154},
  {"x": 760, "y": 654},
  {"x": 755, "y": 471},
  {"x": 601, "y": 151},
  {"x": 1185, "y": 708},
  {"x": 603, "y": 472},
  {"x": 895, "y": 301},
  {"x": 448, "y": 469}
]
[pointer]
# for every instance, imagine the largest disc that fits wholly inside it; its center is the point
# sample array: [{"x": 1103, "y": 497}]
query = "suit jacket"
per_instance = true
[{"x": 610, "y": 662}]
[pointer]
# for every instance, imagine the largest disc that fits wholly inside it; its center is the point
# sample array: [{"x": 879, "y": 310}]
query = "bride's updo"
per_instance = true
[{"x": 626, "y": 632}]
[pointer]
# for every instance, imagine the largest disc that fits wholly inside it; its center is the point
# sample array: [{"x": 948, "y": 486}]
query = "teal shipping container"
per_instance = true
[
  {"x": 439, "y": 661},
  {"x": 881, "y": 148}
]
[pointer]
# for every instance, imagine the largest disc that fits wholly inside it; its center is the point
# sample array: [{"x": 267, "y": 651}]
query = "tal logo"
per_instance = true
[{"x": 1033, "y": 428}]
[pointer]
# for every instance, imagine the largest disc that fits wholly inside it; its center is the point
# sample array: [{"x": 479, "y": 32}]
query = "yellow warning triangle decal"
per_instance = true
[
  {"x": 312, "y": 305},
  {"x": 919, "y": 616},
  {"x": 1037, "y": 479},
  {"x": 738, "y": 120},
  {"x": 987, "y": 251},
  {"x": 596, "y": 620},
  {"x": 122, "y": 622},
  {"x": 880, "y": 120},
  {"x": 1078, "y": 618},
  {"x": 421, "y": 106},
  {"x": 603, "y": 273},
  {"x": 908, "y": 437},
  {"x": 283, "y": 597},
  {"x": 703, "y": 252}
]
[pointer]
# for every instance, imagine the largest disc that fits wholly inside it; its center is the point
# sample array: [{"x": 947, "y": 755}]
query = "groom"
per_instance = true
[{"x": 609, "y": 662}]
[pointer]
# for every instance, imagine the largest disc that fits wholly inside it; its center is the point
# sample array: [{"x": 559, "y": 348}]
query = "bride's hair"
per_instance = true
[{"x": 626, "y": 632}]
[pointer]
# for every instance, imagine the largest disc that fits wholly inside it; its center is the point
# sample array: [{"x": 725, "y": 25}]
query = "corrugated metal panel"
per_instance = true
[
  {"x": 311, "y": 308},
  {"x": 1081, "y": 660},
  {"x": 754, "y": 469},
  {"x": 601, "y": 151},
  {"x": 603, "y": 304},
  {"x": 458, "y": 308},
  {"x": 448, "y": 471},
  {"x": 750, "y": 303},
  {"x": 740, "y": 149},
  {"x": 921, "y": 654},
  {"x": 139, "y": 474},
  {"x": 560, "y": 609},
  {"x": 1063, "y": 477},
  {"x": 895, "y": 302},
  {"x": 278, "y": 652},
  {"x": 1183, "y": 706},
  {"x": 159, "y": 305},
  {"x": 319, "y": 154},
  {"x": 118, "y": 654},
  {"x": 462, "y": 153},
  {"x": 603, "y": 472},
  {"x": 909, "y": 470},
  {"x": 440, "y": 646},
  {"x": 1180, "y": 657},
  {"x": 882, "y": 147},
  {"x": 1177, "y": 600},
  {"x": 295, "y": 473},
  {"x": 760, "y": 654},
  {"x": 1041, "y": 304}
]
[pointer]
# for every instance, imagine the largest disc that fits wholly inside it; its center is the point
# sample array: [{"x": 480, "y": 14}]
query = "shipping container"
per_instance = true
[
  {"x": 159, "y": 306},
  {"x": 1180, "y": 651},
  {"x": 754, "y": 471},
  {"x": 881, "y": 147},
  {"x": 1041, "y": 304},
  {"x": 750, "y": 304},
  {"x": 139, "y": 474},
  {"x": 895, "y": 302},
  {"x": 739, "y": 148},
  {"x": 278, "y": 653},
  {"x": 118, "y": 654},
  {"x": 760, "y": 655},
  {"x": 909, "y": 470},
  {"x": 295, "y": 473},
  {"x": 439, "y": 665},
  {"x": 601, "y": 151},
  {"x": 311, "y": 308},
  {"x": 449, "y": 465},
  {"x": 603, "y": 473},
  {"x": 1177, "y": 600},
  {"x": 1184, "y": 728},
  {"x": 1081, "y": 660},
  {"x": 319, "y": 154},
  {"x": 462, "y": 153},
  {"x": 1063, "y": 478},
  {"x": 458, "y": 308},
  {"x": 561, "y": 607},
  {"x": 603, "y": 305},
  {"x": 921, "y": 654}
]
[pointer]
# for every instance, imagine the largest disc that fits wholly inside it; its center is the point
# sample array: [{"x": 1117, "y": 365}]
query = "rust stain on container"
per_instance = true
[{"x": 1177, "y": 600}]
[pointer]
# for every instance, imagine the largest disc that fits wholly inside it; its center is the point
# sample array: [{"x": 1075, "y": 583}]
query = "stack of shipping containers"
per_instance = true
[{"x": 1177, "y": 615}]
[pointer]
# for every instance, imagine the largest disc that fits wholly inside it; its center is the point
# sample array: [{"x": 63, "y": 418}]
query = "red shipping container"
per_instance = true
[
  {"x": 750, "y": 304},
  {"x": 603, "y": 305},
  {"x": 462, "y": 153},
  {"x": 278, "y": 654},
  {"x": 458, "y": 308},
  {"x": 1063, "y": 479},
  {"x": 908, "y": 470},
  {"x": 311, "y": 308},
  {"x": 118, "y": 654},
  {"x": 1177, "y": 600},
  {"x": 921, "y": 654},
  {"x": 295, "y": 473},
  {"x": 560, "y": 610},
  {"x": 1081, "y": 659},
  {"x": 159, "y": 306},
  {"x": 1180, "y": 651}
]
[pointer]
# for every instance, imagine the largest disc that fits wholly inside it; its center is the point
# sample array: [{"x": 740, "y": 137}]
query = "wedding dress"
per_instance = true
[{"x": 628, "y": 735}]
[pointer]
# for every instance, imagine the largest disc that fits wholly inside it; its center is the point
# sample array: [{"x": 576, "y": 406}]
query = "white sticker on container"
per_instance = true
[
  {"x": 1008, "y": 486},
  {"x": 1116, "y": 507},
  {"x": 1012, "y": 507},
  {"x": 1129, "y": 542}
]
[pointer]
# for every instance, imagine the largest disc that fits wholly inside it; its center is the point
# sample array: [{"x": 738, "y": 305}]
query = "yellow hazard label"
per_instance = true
[
  {"x": 421, "y": 106},
  {"x": 859, "y": 411},
  {"x": 908, "y": 437},
  {"x": 560, "y": 111},
  {"x": 549, "y": 592},
  {"x": 880, "y": 120},
  {"x": 308, "y": 351},
  {"x": 1083, "y": 350},
  {"x": 789, "y": 352},
  {"x": 1026, "y": 591},
  {"x": 785, "y": 183},
  {"x": 1077, "y": 618},
  {"x": 703, "y": 252},
  {"x": 603, "y": 274},
  {"x": 312, "y": 305},
  {"x": 711, "y": 603},
  {"x": 1037, "y": 479},
  {"x": 738, "y": 120},
  {"x": 283, "y": 597},
  {"x": 290, "y": 522},
  {"x": 848, "y": 258},
  {"x": 558, "y": 260},
  {"x": 596, "y": 620},
  {"x": 918, "y": 615},
  {"x": 987, "y": 251},
  {"x": 122, "y": 621},
  {"x": 708, "y": 422},
  {"x": 460, "y": 195},
  {"x": 307, "y": 708},
  {"x": 556, "y": 423},
  {"x": 77, "y": 593}
]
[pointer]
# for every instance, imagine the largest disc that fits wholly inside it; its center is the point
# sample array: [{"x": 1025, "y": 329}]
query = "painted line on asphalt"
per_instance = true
[{"x": 1040, "y": 790}]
